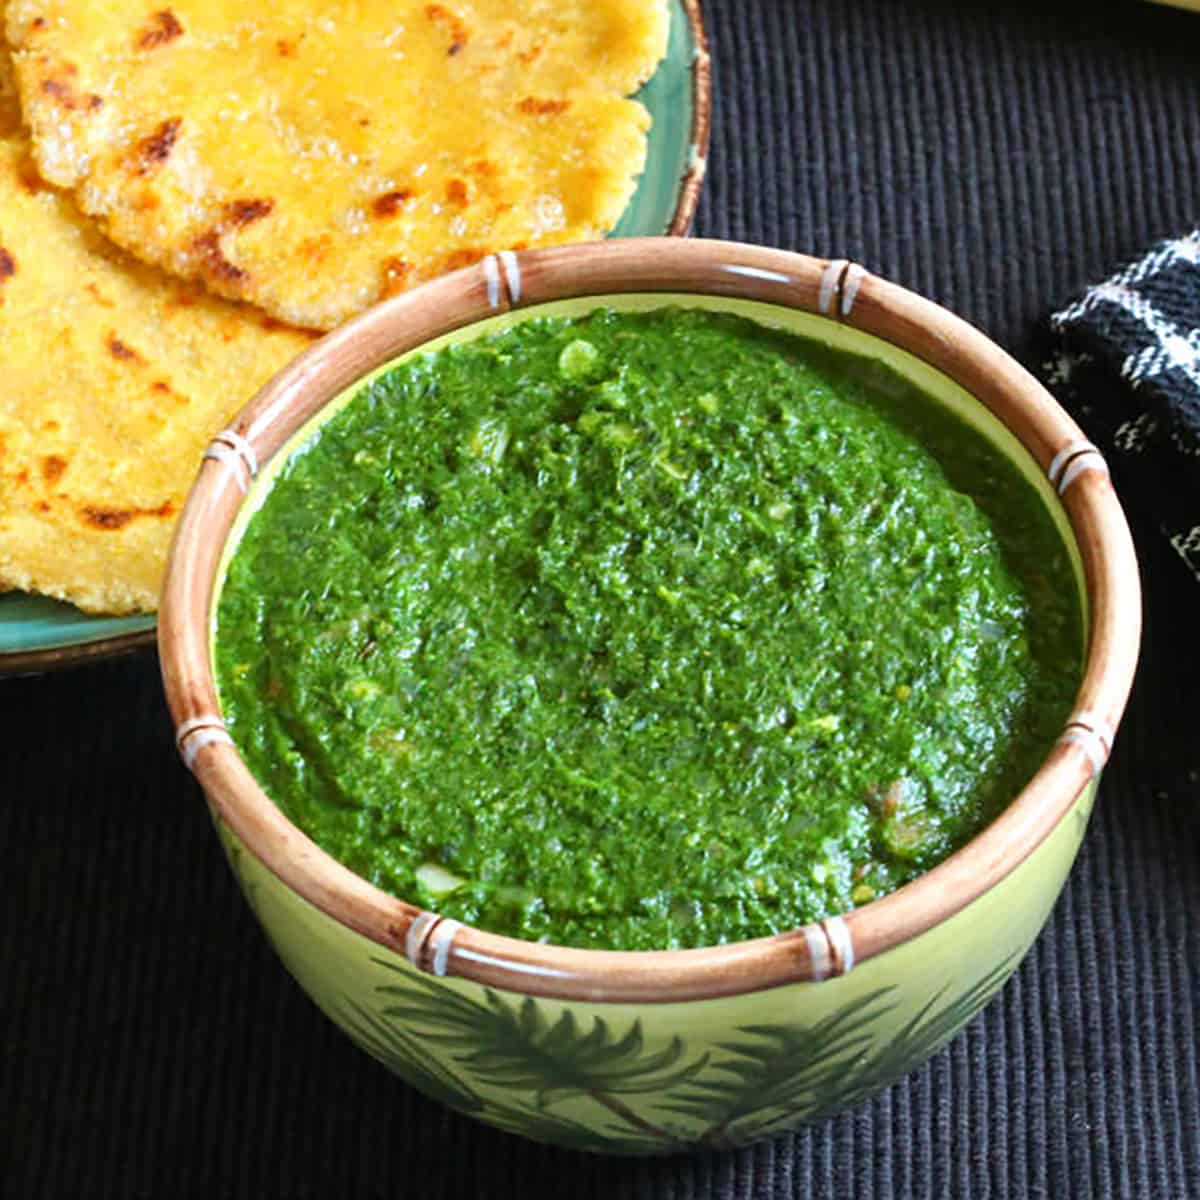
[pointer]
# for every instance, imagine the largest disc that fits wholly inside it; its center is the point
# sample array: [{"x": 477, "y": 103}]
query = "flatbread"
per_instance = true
[
  {"x": 312, "y": 156},
  {"x": 114, "y": 379}
]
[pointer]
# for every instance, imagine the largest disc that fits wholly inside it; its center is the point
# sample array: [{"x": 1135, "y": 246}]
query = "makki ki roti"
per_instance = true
[
  {"x": 115, "y": 378},
  {"x": 312, "y": 158}
]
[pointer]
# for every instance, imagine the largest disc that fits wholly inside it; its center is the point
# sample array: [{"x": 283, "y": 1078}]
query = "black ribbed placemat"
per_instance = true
[{"x": 996, "y": 158}]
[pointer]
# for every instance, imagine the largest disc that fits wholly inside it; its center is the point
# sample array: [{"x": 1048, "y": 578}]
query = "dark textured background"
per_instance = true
[{"x": 996, "y": 157}]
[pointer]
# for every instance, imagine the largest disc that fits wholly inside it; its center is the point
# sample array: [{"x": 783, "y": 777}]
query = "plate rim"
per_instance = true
[
  {"x": 700, "y": 71},
  {"x": 48, "y": 658}
]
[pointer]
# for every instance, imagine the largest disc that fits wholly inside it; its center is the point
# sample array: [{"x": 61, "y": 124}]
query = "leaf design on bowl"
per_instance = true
[
  {"x": 514, "y": 1045},
  {"x": 926, "y": 1033},
  {"x": 766, "y": 1079},
  {"x": 780, "y": 1069},
  {"x": 401, "y": 1053}
]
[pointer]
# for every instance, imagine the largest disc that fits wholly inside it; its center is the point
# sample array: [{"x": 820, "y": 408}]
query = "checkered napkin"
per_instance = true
[{"x": 1125, "y": 360}]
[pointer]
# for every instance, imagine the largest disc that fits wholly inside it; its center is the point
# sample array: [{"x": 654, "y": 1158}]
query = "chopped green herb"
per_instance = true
[{"x": 645, "y": 630}]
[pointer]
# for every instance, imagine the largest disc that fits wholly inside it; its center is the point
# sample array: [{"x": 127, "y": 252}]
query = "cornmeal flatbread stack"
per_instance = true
[
  {"x": 304, "y": 158},
  {"x": 313, "y": 158},
  {"x": 114, "y": 379}
]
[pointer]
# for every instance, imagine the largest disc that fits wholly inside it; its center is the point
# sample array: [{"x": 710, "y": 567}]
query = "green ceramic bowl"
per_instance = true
[
  {"x": 662, "y": 1051},
  {"x": 37, "y": 633}
]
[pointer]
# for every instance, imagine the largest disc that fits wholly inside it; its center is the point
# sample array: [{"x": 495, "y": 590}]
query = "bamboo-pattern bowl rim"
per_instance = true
[{"x": 842, "y": 292}]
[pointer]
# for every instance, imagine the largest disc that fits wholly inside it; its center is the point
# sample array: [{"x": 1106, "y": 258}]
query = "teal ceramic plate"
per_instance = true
[
  {"x": 37, "y": 634},
  {"x": 677, "y": 97}
]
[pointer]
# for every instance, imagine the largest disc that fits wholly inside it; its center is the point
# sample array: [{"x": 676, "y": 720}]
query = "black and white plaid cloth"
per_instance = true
[{"x": 1125, "y": 361}]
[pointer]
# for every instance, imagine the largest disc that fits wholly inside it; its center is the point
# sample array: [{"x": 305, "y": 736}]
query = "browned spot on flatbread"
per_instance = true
[
  {"x": 156, "y": 149},
  {"x": 465, "y": 257},
  {"x": 119, "y": 350},
  {"x": 38, "y": 23},
  {"x": 286, "y": 48},
  {"x": 62, "y": 90},
  {"x": 164, "y": 27},
  {"x": 315, "y": 250},
  {"x": 456, "y": 192},
  {"x": 43, "y": 506},
  {"x": 8, "y": 268},
  {"x": 97, "y": 295},
  {"x": 212, "y": 260},
  {"x": 390, "y": 203},
  {"x": 53, "y": 465},
  {"x": 396, "y": 274},
  {"x": 160, "y": 387},
  {"x": 460, "y": 35},
  {"x": 107, "y": 518},
  {"x": 31, "y": 181},
  {"x": 538, "y": 107},
  {"x": 242, "y": 212},
  {"x": 111, "y": 519},
  {"x": 530, "y": 55},
  {"x": 230, "y": 328}
]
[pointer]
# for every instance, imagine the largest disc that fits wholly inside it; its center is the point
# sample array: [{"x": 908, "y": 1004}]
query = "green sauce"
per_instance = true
[{"x": 645, "y": 631}]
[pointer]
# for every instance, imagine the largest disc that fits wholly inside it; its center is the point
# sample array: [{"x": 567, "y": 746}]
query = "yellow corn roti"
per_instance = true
[
  {"x": 314, "y": 157},
  {"x": 115, "y": 377}
]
